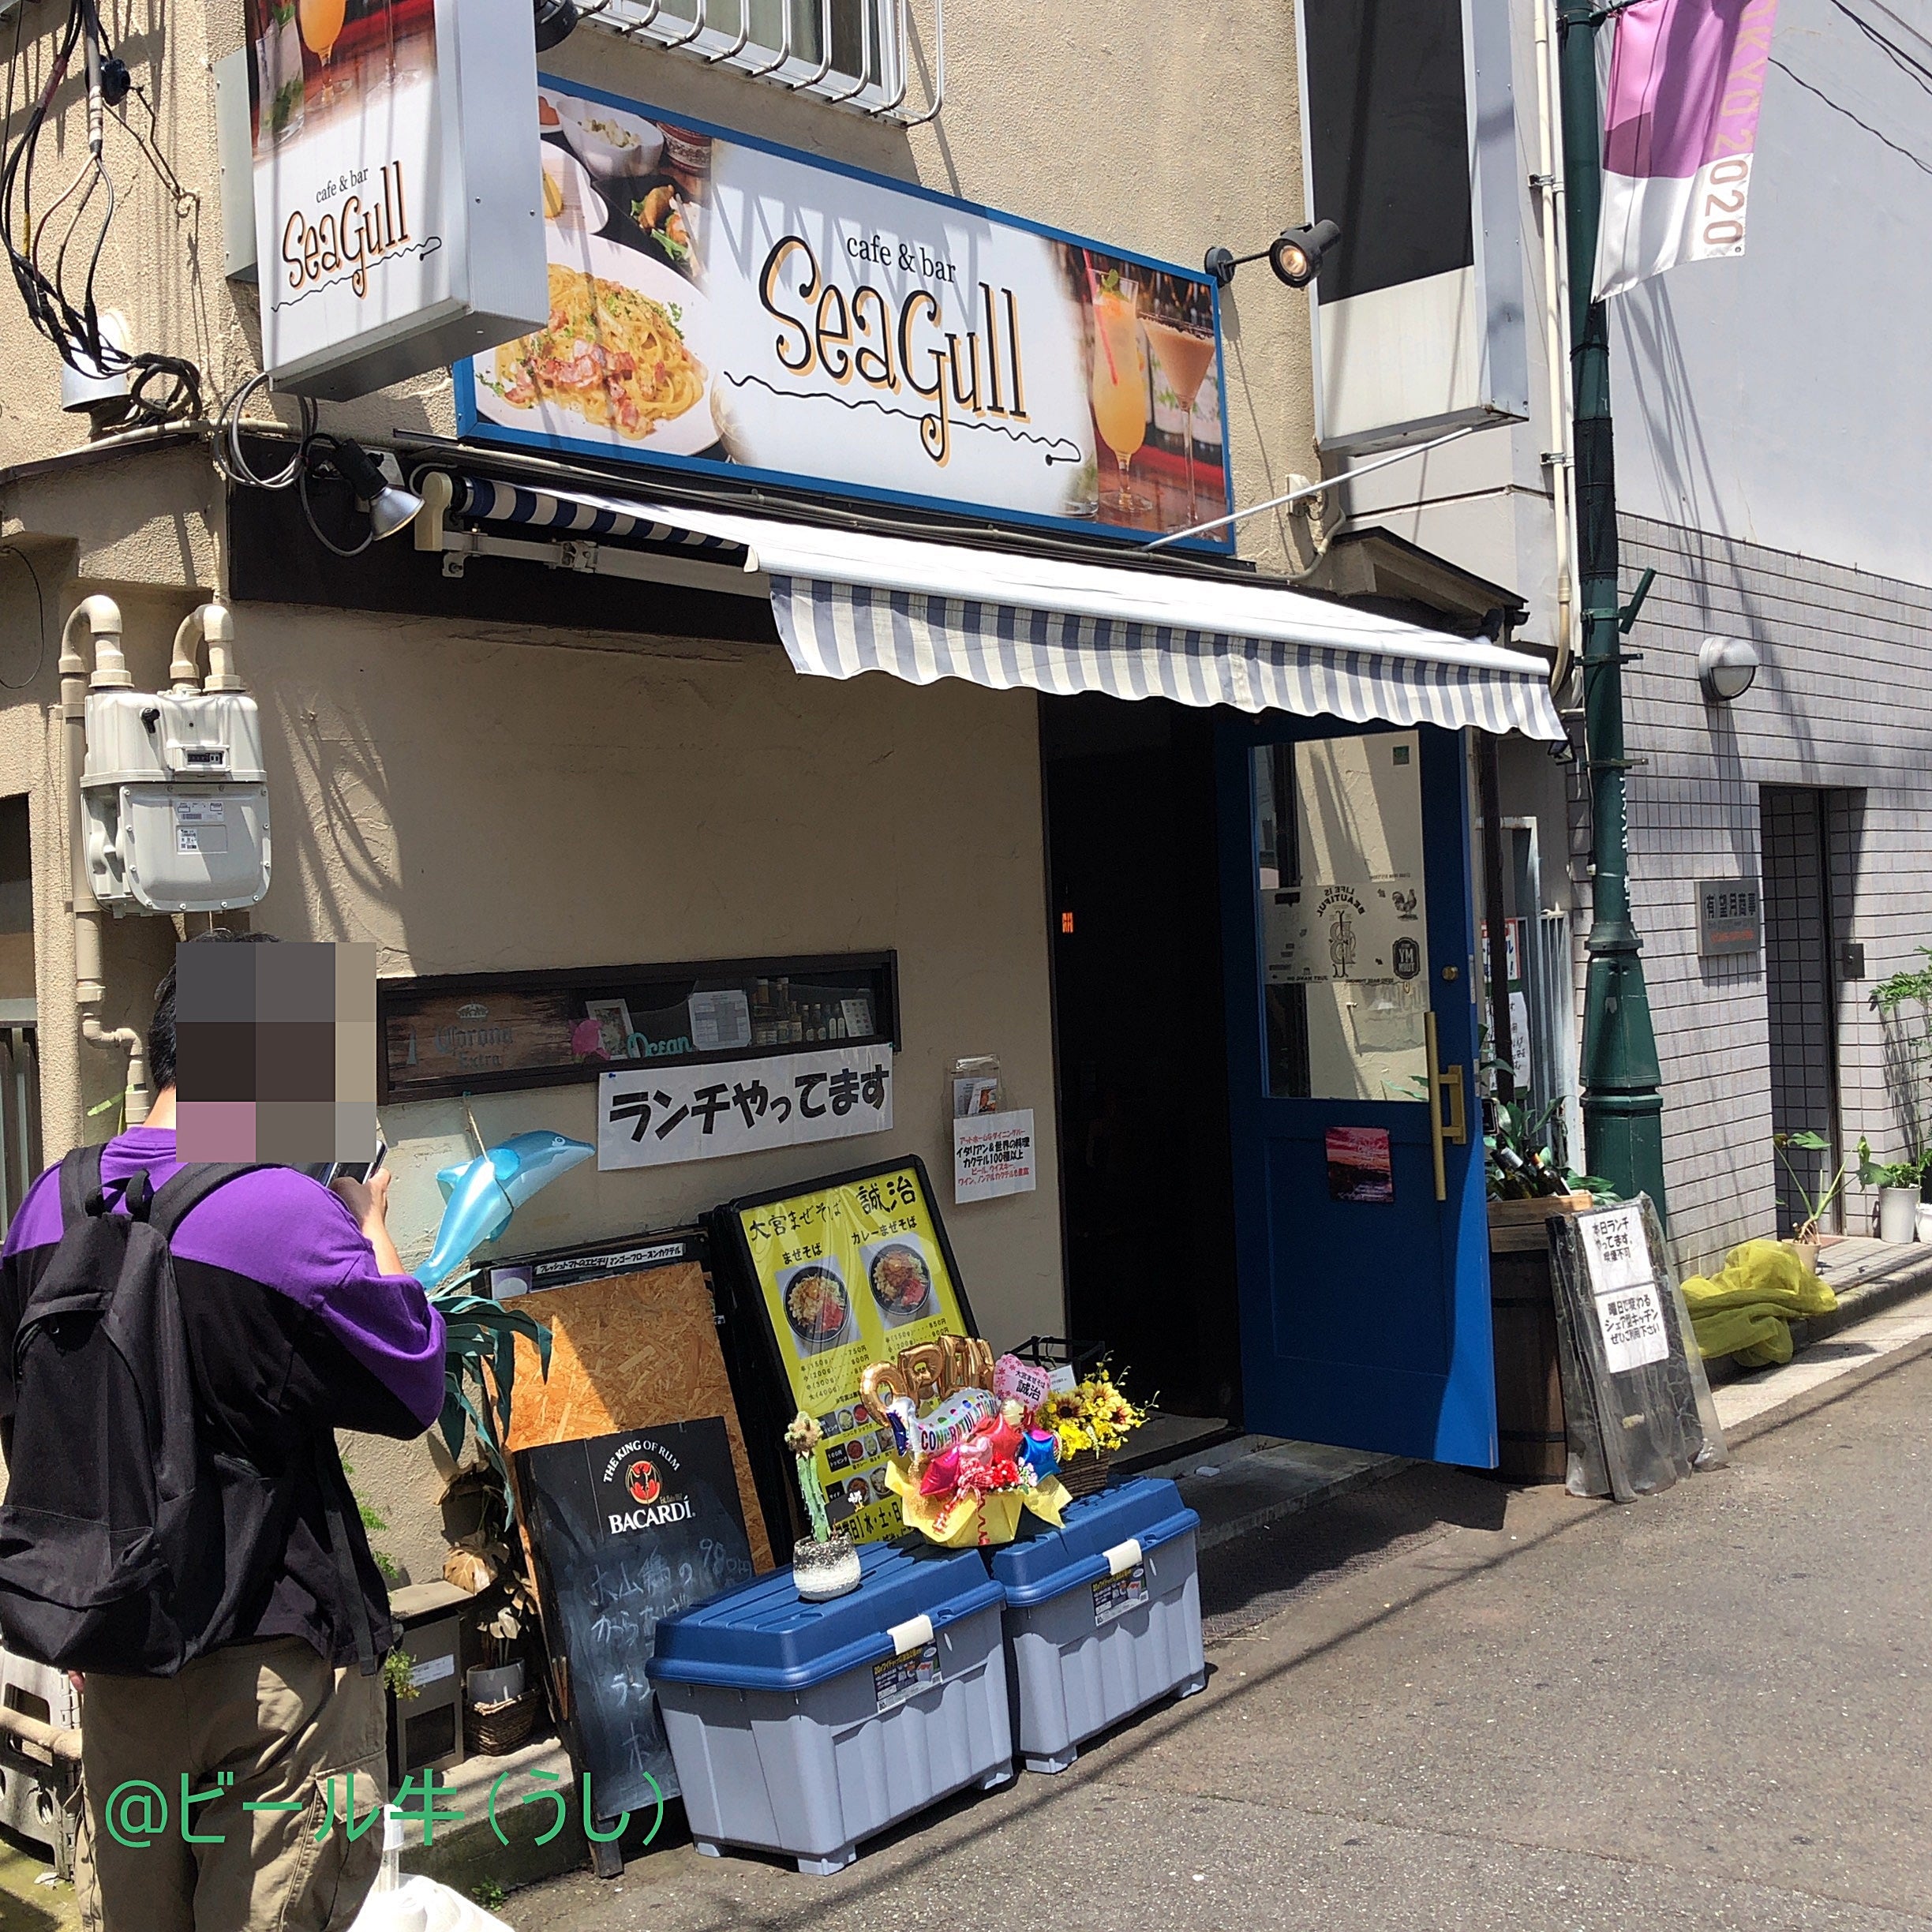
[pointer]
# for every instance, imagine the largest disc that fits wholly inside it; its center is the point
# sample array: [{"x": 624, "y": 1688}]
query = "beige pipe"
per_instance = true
[
  {"x": 211, "y": 624},
  {"x": 101, "y": 616}
]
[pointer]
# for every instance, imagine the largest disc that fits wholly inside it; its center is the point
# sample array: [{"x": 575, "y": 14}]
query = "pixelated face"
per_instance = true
[{"x": 276, "y": 1053}]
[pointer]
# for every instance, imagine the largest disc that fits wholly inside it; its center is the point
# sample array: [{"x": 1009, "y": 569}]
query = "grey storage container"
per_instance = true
[
  {"x": 805, "y": 1729},
  {"x": 1103, "y": 1617}
]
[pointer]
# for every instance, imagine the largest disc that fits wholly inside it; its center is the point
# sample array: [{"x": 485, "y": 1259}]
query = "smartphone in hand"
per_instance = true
[{"x": 328, "y": 1171}]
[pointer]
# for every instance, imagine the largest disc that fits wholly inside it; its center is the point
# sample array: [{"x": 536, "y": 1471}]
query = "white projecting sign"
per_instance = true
[{"x": 396, "y": 228}]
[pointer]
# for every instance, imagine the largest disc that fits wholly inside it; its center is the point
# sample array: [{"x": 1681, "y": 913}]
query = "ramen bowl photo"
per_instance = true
[
  {"x": 901, "y": 1282},
  {"x": 818, "y": 1308}
]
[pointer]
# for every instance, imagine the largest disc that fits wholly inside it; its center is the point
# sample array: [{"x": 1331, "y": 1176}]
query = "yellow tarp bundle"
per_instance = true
[{"x": 1746, "y": 1308}]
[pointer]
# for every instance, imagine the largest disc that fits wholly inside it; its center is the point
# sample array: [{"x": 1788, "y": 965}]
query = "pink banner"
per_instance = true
[{"x": 1680, "y": 128}]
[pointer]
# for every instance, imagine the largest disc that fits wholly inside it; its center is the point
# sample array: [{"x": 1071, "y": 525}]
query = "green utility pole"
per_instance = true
[{"x": 1622, "y": 1107}]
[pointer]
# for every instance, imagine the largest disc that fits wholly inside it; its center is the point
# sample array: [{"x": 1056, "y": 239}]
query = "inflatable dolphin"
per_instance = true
[{"x": 484, "y": 1193}]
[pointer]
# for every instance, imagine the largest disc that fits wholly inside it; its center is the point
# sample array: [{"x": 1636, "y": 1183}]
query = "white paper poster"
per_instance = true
[
  {"x": 1623, "y": 1286},
  {"x": 656, "y": 1116},
  {"x": 993, "y": 1156}
]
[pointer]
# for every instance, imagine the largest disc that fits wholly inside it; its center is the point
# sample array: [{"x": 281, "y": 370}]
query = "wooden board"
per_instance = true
[{"x": 633, "y": 1351}]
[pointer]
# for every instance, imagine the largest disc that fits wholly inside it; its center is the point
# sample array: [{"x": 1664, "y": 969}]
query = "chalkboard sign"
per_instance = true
[{"x": 628, "y": 1529}]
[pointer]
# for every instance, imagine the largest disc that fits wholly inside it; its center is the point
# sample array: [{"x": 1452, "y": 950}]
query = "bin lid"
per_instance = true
[
  {"x": 1034, "y": 1569},
  {"x": 763, "y": 1636}
]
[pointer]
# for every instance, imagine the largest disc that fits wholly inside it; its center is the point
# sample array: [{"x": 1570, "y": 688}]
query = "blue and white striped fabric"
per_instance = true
[
  {"x": 576, "y": 513},
  {"x": 840, "y": 630}
]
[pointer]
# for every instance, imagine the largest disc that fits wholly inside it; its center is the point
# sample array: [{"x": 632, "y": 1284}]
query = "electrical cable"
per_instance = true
[
  {"x": 161, "y": 389},
  {"x": 1906, "y": 62},
  {"x": 309, "y": 464},
  {"x": 40, "y": 621},
  {"x": 1924, "y": 167},
  {"x": 229, "y": 460}
]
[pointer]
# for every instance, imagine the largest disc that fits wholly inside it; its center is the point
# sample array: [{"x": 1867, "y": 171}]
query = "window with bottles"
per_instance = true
[{"x": 485, "y": 1032}]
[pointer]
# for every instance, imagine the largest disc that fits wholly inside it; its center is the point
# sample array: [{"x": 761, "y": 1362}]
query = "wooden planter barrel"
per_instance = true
[{"x": 1531, "y": 1440}]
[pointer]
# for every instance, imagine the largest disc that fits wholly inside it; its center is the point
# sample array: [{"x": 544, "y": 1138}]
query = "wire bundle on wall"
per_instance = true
[{"x": 160, "y": 388}]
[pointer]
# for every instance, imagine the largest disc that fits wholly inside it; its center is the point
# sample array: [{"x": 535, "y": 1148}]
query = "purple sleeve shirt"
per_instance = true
[{"x": 282, "y": 1228}]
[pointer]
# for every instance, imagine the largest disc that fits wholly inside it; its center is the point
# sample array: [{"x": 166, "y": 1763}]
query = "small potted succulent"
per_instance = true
[
  {"x": 1898, "y": 1183},
  {"x": 824, "y": 1564}
]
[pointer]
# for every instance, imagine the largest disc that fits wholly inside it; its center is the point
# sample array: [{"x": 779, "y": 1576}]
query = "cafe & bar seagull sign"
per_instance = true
[{"x": 717, "y": 303}]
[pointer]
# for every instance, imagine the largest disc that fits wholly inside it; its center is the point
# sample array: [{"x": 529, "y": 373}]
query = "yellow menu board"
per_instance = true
[{"x": 851, "y": 1272}]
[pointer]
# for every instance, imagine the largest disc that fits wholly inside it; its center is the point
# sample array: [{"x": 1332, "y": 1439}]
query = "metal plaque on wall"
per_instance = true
[{"x": 1730, "y": 917}]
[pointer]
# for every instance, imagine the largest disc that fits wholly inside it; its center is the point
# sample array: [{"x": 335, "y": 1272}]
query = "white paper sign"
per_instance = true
[
  {"x": 1629, "y": 1313},
  {"x": 656, "y": 1116},
  {"x": 1615, "y": 1249},
  {"x": 993, "y": 1155},
  {"x": 720, "y": 1022},
  {"x": 1632, "y": 1322}
]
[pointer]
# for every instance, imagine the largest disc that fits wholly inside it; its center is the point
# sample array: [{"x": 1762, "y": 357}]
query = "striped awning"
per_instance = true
[
  {"x": 848, "y": 602},
  {"x": 575, "y": 513}
]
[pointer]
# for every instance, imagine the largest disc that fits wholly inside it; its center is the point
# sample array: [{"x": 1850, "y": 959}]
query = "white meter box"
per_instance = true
[
  {"x": 176, "y": 801},
  {"x": 399, "y": 193}
]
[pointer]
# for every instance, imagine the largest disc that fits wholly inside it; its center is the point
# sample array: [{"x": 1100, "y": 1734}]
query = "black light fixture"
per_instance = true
[
  {"x": 556, "y": 20},
  {"x": 391, "y": 507},
  {"x": 1296, "y": 255}
]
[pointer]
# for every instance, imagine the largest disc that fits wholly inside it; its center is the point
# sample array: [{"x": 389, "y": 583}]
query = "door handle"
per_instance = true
[{"x": 1444, "y": 1083}]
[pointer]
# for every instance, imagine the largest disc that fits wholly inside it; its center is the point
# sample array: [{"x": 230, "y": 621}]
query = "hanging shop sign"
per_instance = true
[
  {"x": 656, "y": 1119},
  {"x": 720, "y": 305},
  {"x": 1730, "y": 917},
  {"x": 851, "y": 1271},
  {"x": 993, "y": 1156},
  {"x": 377, "y": 139}
]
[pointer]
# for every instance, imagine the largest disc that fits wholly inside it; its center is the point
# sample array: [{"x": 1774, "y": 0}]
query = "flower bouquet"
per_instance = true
[
  {"x": 824, "y": 1564},
  {"x": 1089, "y": 1422},
  {"x": 970, "y": 1454}
]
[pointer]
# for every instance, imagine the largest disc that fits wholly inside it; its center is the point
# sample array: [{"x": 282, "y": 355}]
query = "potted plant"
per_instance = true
[
  {"x": 1804, "y": 1242},
  {"x": 1907, "y": 1036},
  {"x": 1898, "y": 1183}
]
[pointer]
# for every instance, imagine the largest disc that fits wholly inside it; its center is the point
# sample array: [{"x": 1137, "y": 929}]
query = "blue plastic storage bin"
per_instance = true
[
  {"x": 804, "y": 1729},
  {"x": 1103, "y": 1617}
]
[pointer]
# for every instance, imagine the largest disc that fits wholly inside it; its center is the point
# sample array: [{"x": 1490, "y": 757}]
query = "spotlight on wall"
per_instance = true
[
  {"x": 1296, "y": 255},
  {"x": 1726, "y": 668},
  {"x": 556, "y": 20},
  {"x": 390, "y": 507}
]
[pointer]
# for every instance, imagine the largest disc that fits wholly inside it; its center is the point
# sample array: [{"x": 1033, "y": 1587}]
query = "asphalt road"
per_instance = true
[{"x": 1711, "y": 1709}]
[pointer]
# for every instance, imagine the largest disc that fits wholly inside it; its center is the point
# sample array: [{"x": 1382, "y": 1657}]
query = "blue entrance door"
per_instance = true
[{"x": 1361, "y": 1233}]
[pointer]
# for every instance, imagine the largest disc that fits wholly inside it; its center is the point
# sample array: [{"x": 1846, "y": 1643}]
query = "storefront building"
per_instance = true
[{"x": 754, "y": 744}]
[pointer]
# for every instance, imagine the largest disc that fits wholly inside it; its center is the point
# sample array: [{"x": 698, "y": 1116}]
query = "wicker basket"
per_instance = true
[
  {"x": 1086, "y": 1473},
  {"x": 495, "y": 1730}
]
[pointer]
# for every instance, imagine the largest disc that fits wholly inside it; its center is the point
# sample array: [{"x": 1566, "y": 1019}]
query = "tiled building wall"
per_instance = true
[{"x": 1844, "y": 700}]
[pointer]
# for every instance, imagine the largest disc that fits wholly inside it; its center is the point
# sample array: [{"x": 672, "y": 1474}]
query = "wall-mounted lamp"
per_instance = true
[
  {"x": 1296, "y": 255},
  {"x": 556, "y": 20},
  {"x": 390, "y": 507},
  {"x": 1726, "y": 668}
]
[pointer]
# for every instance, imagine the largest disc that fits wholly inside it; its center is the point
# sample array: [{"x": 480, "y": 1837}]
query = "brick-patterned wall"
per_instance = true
[{"x": 1844, "y": 699}]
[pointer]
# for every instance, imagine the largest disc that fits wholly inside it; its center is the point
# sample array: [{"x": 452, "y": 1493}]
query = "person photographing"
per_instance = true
[{"x": 179, "y": 1345}]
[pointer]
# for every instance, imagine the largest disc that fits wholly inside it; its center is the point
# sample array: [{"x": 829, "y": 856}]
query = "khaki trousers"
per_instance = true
[{"x": 265, "y": 1724}]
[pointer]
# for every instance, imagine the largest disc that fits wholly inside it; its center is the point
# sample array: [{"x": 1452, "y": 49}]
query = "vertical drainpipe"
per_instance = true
[
  {"x": 100, "y": 617},
  {"x": 1623, "y": 1101}
]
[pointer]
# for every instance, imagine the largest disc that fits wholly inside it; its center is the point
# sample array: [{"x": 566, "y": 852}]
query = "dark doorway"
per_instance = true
[
  {"x": 1797, "y": 823},
  {"x": 1148, "y": 1192}
]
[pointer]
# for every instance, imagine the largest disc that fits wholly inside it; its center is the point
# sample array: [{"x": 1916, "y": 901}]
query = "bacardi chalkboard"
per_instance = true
[{"x": 628, "y": 1529}]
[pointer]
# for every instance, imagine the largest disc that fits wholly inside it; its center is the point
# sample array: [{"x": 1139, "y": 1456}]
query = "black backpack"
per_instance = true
[{"x": 126, "y": 1546}]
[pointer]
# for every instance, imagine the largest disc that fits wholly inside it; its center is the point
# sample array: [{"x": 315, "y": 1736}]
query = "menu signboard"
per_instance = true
[
  {"x": 719, "y": 303},
  {"x": 847, "y": 1272}
]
